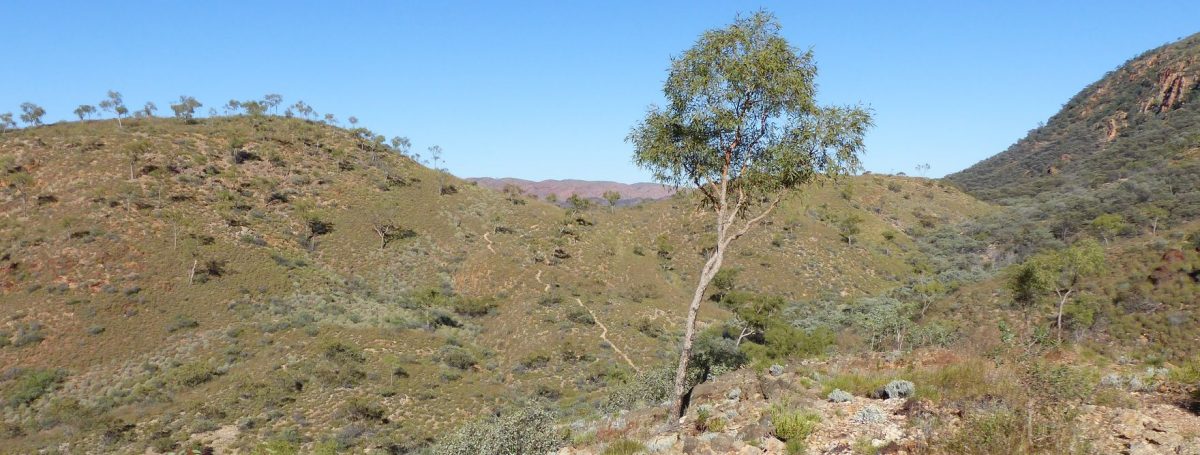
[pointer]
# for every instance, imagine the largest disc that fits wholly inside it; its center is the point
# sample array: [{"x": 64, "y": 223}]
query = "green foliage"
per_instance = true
[
  {"x": 849, "y": 226},
  {"x": 793, "y": 426},
  {"x": 32, "y": 384},
  {"x": 624, "y": 447},
  {"x": 578, "y": 204},
  {"x": 192, "y": 374},
  {"x": 883, "y": 320},
  {"x": 649, "y": 387},
  {"x": 457, "y": 357},
  {"x": 788, "y": 138},
  {"x": 1068, "y": 172},
  {"x": 525, "y": 430},
  {"x": 1109, "y": 225}
]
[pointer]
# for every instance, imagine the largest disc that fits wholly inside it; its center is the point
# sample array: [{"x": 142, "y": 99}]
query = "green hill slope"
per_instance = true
[
  {"x": 225, "y": 282},
  {"x": 1128, "y": 144}
]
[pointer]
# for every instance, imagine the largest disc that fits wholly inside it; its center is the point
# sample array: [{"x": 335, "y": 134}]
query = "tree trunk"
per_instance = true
[
  {"x": 706, "y": 276},
  {"x": 1062, "y": 301}
]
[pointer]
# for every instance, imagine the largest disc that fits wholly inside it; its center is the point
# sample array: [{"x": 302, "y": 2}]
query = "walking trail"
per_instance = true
[{"x": 603, "y": 328}]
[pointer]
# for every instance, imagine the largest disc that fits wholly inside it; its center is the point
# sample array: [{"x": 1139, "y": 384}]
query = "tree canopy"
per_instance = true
[{"x": 742, "y": 126}]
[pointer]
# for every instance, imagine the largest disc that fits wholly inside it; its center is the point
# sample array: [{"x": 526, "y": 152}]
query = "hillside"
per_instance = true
[
  {"x": 246, "y": 281},
  {"x": 562, "y": 189},
  {"x": 1127, "y": 144}
]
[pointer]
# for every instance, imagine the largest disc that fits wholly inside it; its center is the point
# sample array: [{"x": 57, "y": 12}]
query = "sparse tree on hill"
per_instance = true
[
  {"x": 1059, "y": 272},
  {"x": 135, "y": 151},
  {"x": 353, "y": 121},
  {"x": 741, "y": 125},
  {"x": 272, "y": 101},
  {"x": 254, "y": 108},
  {"x": 513, "y": 193},
  {"x": 303, "y": 109},
  {"x": 1108, "y": 225},
  {"x": 612, "y": 197},
  {"x": 85, "y": 111},
  {"x": 22, "y": 182},
  {"x": 330, "y": 119},
  {"x": 232, "y": 107},
  {"x": 849, "y": 227},
  {"x": 435, "y": 154},
  {"x": 149, "y": 109},
  {"x": 115, "y": 104},
  {"x": 1154, "y": 213},
  {"x": 577, "y": 203},
  {"x": 922, "y": 169},
  {"x": 401, "y": 145},
  {"x": 32, "y": 114},
  {"x": 186, "y": 107},
  {"x": 552, "y": 198},
  {"x": 6, "y": 122}
]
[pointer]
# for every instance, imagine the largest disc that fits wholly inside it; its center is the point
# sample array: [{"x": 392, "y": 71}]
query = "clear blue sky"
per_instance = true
[{"x": 550, "y": 89}]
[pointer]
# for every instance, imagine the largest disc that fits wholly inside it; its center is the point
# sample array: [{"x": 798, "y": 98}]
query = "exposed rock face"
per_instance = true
[{"x": 1108, "y": 119}]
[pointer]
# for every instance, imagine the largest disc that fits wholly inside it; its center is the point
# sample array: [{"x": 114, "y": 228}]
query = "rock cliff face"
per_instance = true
[{"x": 1120, "y": 125}]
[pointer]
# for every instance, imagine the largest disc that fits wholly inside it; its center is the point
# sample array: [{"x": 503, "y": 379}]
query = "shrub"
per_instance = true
[
  {"x": 33, "y": 384},
  {"x": 182, "y": 322},
  {"x": 997, "y": 432},
  {"x": 526, "y": 430},
  {"x": 359, "y": 408},
  {"x": 192, "y": 374},
  {"x": 652, "y": 386},
  {"x": 793, "y": 427},
  {"x": 624, "y": 447},
  {"x": 28, "y": 333},
  {"x": 340, "y": 352},
  {"x": 840, "y": 396},
  {"x": 457, "y": 357},
  {"x": 581, "y": 316},
  {"x": 473, "y": 307},
  {"x": 899, "y": 389},
  {"x": 869, "y": 415}
]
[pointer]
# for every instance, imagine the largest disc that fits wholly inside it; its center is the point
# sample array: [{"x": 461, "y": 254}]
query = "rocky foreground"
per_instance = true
[{"x": 734, "y": 415}]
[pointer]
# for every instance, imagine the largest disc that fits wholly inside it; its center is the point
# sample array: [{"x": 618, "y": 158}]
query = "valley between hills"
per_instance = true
[{"x": 274, "y": 283}]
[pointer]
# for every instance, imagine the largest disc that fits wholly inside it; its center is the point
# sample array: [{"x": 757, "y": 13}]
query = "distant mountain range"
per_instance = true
[{"x": 584, "y": 188}]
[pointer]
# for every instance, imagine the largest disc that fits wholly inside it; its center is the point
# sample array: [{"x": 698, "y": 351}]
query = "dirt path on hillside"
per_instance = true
[
  {"x": 603, "y": 328},
  {"x": 489, "y": 242},
  {"x": 604, "y": 336}
]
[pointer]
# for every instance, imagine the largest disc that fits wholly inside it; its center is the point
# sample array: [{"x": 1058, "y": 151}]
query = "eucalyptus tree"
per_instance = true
[
  {"x": 186, "y": 107},
  {"x": 271, "y": 101},
  {"x": 1059, "y": 272},
  {"x": 435, "y": 154},
  {"x": 330, "y": 119},
  {"x": 401, "y": 145},
  {"x": 742, "y": 126},
  {"x": 85, "y": 111},
  {"x": 612, "y": 197},
  {"x": 6, "y": 122},
  {"x": 232, "y": 107},
  {"x": 303, "y": 109},
  {"x": 115, "y": 104},
  {"x": 253, "y": 108},
  {"x": 149, "y": 109},
  {"x": 32, "y": 114}
]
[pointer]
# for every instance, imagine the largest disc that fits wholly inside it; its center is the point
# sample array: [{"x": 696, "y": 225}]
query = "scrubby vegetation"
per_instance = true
[{"x": 272, "y": 283}]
